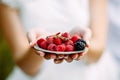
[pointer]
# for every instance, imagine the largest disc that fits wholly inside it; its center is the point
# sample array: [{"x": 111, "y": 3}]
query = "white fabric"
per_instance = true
[
  {"x": 114, "y": 11},
  {"x": 113, "y": 44},
  {"x": 114, "y": 28},
  {"x": 105, "y": 69},
  {"x": 53, "y": 15},
  {"x": 11, "y": 3}
]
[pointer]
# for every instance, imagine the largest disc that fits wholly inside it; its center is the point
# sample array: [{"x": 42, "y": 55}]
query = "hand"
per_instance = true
[
  {"x": 33, "y": 35},
  {"x": 85, "y": 33}
]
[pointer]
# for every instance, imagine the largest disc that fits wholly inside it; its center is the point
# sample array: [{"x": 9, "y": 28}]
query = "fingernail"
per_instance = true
[
  {"x": 31, "y": 43},
  {"x": 53, "y": 56},
  {"x": 88, "y": 44},
  {"x": 78, "y": 59},
  {"x": 69, "y": 59},
  {"x": 47, "y": 57},
  {"x": 42, "y": 54},
  {"x": 58, "y": 61},
  {"x": 65, "y": 56},
  {"x": 74, "y": 56},
  {"x": 60, "y": 56},
  {"x": 81, "y": 54}
]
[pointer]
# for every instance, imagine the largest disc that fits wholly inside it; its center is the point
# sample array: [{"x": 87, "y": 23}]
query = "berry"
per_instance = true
[
  {"x": 69, "y": 48},
  {"x": 69, "y": 42},
  {"x": 51, "y": 47},
  {"x": 75, "y": 38},
  {"x": 65, "y": 35},
  {"x": 43, "y": 44},
  {"x": 60, "y": 47},
  {"x": 49, "y": 39},
  {"x": 57, "y": 41},
  {"x": 40, "y": 40},
  {"x": 62, "y": 42},
  {"x": 80, "y": 45}
]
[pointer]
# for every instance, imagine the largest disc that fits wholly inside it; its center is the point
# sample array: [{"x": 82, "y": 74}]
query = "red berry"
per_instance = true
[
  {"x": 51, "y": 47},
  {"x": 60, "y": 47},
  {"x": 43, "y": 45},
  {"x": 69, "y": 42},
  {"x": 49, "y": 39},
  {"x": 74, "y": 38},
  {"x": 69, "y": 48},
  {"x": 40, "y": 40},
  {"x": 65, "y": 35},
  {"x": 57, "y": 41}
]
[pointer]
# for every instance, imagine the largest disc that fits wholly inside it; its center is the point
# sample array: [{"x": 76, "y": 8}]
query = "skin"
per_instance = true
[
  {"x": 23, "y": 55},
  {"x": 99, "y": 28},
  {"x": 21, "y": 45}
]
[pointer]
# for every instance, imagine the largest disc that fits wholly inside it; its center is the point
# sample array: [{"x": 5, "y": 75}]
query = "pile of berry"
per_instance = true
[{"x": 62, "y": 42}]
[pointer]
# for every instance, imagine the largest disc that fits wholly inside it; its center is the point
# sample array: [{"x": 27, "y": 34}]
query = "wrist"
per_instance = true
[{"x": 95, "y": 52}]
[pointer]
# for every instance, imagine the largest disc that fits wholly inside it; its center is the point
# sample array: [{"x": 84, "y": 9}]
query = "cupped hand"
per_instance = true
[
  {"x": 85, "y": 34},
  {"x": 36, "y": 33},
  {"x": 33, "y": 35}
]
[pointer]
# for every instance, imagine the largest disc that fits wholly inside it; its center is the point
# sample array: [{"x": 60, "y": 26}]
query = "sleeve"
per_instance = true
[{"x": 11, "y": 3}]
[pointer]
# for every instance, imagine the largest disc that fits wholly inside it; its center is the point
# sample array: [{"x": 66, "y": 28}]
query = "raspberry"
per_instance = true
[
  {"x": 69, "y": 42},
  {"x": 40, "y": 40},
  {"x": 65, "y": 35},
  {"x": 51, "y": 47},
  {"x": 80, "y": 44},
  {"x": 49, "y": 39},
  {"x": 60, "y": 47},
  {"x": 43, "y": 44},
  {"x": 75, "y": 38},
  {"x": 62, "y": 42},
  {"x": 69, "y": 48},
  {"x": 57, "y": 41}
]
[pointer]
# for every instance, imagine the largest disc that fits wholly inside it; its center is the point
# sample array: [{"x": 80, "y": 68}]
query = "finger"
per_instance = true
[
  {"x": 53, "y": 56},
  {"x": 58, "y": 61},
  {"x": 74, "y": 56},
  {"x": 69, "y": 59},
  {"x": 87, "y": 34},
  {"x": 79, "y": 56},
  {"x": 87, "y": 43},
  {"x": 86, "y": 50},
  {"x": 84, "y": 33},
  {"x": 75, "y": 30},
  {"x": 47, "y": 56},
  {"x": 66, "y": 56},
  {"x": 35, "y": 34},
  {"x": 40, "y": 53},
  {"x": 78, "y": 30},
  {"x": 60, "y": 56},
  {"x": 31, "y": 37}
]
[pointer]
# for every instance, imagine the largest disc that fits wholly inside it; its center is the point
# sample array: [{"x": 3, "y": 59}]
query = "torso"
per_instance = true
[{"x": 55, "y": 15}]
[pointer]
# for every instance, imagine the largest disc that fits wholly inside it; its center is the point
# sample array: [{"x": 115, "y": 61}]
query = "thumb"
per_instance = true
[
  {"x": 87, "y": 36},
  {"x": 32, "y": 38}
]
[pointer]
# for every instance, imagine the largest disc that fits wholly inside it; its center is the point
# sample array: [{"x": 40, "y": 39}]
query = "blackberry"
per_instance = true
[{"x": 80, "y": 45}]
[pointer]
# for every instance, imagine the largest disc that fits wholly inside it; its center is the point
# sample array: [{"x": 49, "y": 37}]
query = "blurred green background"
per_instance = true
[{"x": 6, "y": 62}]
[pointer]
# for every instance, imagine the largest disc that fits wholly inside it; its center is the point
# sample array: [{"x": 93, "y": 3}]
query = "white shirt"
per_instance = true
[
  {"x": 114, "y": 28},
  {"x": 54, "y": 16}
]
